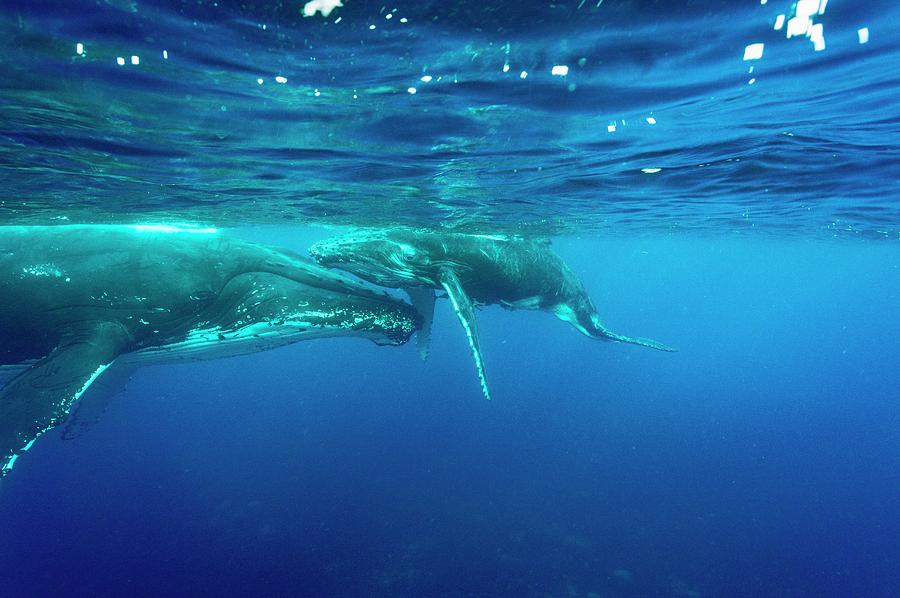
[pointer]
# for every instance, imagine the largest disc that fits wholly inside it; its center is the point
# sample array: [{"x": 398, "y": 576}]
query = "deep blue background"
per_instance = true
[{"x": 762, "y": 459}]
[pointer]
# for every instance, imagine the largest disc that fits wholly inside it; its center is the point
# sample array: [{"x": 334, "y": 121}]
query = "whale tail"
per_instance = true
[
  {"x": 599, "y": 331},
  {"x": 587, "y": 322}
]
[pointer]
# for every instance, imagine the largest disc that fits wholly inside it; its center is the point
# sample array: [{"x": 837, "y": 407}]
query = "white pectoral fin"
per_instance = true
[
  {"x": 465, "y": 311},
  {"x": 85, "y": 414},
  {"x": 422, "y": 299},
  {"x": 42, "y": 396}
]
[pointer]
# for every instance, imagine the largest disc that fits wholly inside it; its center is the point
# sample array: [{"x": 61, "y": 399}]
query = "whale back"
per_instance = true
[
  {"x": 52, "y": 276},
  {"x": 492, "y": 268}
]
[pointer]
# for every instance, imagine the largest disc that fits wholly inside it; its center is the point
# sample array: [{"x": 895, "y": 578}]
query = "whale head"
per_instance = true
[
  {"x": 384, "y": 258},
  {"x": 258, "y": 311}
]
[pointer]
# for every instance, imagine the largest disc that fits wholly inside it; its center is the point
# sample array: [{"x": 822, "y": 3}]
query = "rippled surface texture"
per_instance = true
[{"x": 230, "y": 112}]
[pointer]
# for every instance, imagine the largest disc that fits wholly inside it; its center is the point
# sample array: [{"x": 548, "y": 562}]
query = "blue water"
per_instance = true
[{"x": 761, "y": 459}]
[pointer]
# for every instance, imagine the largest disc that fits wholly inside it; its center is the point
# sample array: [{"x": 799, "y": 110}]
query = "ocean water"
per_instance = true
[{"x": 743, "y": 211}]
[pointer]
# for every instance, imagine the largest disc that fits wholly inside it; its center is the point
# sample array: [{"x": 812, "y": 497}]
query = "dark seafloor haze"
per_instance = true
[{"x": 761, "y": 459}]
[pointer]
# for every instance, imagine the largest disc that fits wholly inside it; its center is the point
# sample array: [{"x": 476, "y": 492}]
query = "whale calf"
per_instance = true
[
  {"x": 84, "y": 305},
  {"x": 473, "y": 270}
]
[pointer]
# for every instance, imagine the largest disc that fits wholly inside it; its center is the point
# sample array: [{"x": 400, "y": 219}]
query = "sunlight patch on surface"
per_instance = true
[
  {"x": 817, "y": 37},
  {"x": 797, "y": 26},
  {"x": 321, "y": 6},
  {"x": 802, "y": 24},
  {"x": 863, "y": 35},
  {"x": 753, "y": 51}
]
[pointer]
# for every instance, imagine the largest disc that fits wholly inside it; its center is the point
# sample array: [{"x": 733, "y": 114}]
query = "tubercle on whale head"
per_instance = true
[
  {"x": 353, "y": 247},
  {"x": 392, "y": 326},
  {"x": 386, "y": 322}
]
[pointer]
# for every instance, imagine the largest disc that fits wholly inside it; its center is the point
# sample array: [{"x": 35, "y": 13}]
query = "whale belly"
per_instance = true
[{"x": 534, "y": 302}]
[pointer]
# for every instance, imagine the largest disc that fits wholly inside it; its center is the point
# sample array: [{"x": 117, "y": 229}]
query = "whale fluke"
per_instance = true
[
  {"x": 601, "y": 332},
  {"x": 587, "y": 322}
]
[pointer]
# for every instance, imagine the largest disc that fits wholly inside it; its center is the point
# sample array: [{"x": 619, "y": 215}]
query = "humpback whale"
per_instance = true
[
  {"x": 473, "y": 270},
  {"x": 83, "y": 305}
]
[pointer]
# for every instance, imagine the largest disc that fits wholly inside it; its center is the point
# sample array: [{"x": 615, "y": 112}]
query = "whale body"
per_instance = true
[
  {"x": 473, "y": 270},
  {"x": 84, "y": 305}
]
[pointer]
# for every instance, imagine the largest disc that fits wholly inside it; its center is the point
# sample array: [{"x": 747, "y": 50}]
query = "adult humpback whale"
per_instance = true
[
  {"x": 83, "y": 305},
  {"x": 473, "y": 270}
]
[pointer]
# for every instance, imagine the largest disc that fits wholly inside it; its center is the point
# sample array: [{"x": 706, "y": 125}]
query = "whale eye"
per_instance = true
[{"x": 407, "y": 253}]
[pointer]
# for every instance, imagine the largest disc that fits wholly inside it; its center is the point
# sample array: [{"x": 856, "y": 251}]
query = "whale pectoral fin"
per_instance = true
[
  {"x": 422, "y": 299},
  {"x": 86, "y": 413},
  {"x": 465, "y": 311},
  {"x": 42, "y": 396}
]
